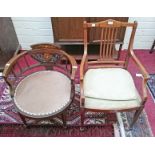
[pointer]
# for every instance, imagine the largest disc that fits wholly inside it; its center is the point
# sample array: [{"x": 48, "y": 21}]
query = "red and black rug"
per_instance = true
[
  {"x": 97, "y": 124},
  {"x": 151, "y": 85},
  {"x": 12, "y": 126}
]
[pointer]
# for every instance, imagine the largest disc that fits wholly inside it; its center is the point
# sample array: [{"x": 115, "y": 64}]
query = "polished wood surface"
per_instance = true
[
  {"x": 68, "y": 29},
  {"x": 152, "y": 48},
  {"x": 95, "y": 33},
  {"x": 44, "y": 58},
  {"x": 109, "y": 30},
  {"x": 68, "y": 33},
  {"x": 44, "y": 46}
]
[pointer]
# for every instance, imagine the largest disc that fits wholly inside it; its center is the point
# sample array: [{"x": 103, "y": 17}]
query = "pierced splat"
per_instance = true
[
  {"x": 47, "y": 56},
  {"x": 29, "y": 62}
]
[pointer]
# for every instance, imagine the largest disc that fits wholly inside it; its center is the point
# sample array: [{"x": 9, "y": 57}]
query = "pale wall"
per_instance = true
[{"x": 39, "y": 29}]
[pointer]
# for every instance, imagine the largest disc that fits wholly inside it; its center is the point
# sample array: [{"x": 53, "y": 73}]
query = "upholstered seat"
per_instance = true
[
  {"x": 42, "y": 94},
  {"x": 110, "y": 89},
  {"x": 106, "y": 84}
]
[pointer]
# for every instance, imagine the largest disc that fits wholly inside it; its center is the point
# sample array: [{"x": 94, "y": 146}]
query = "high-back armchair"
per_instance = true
[
  {"x": 106, "y": 84},
  {"x": 41, "y": 82}
]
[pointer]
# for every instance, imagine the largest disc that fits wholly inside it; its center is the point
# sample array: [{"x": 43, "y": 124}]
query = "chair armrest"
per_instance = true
[
  {"x": 10, "y": 64},
  {"x": 82, "y": 66},
  {"x": 82, "y": 98},
  {"x": 8, "y": 68},
  {"x": 82, "y": 71},
  {"x": 74, "y": 66},
  {"x": 143, "y": 72},
  {"x": 139, "y": 65}
]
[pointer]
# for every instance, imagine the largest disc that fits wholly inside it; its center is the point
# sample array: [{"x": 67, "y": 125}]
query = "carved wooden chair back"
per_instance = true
[
  {"x": 109, "y": 31},
  {"x": 35, "y": 60},
  {"x": 45, "y": 46}
]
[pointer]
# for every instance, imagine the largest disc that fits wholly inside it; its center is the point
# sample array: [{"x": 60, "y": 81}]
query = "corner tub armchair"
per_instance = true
[{"x": 41, "y": 83}]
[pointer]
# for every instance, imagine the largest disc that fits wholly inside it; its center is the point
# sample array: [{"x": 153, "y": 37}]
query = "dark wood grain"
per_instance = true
[
  {"x": 68, "y": 33},
  {"x": 67, "y": 29},
  {"x": 95, "y": 33}
]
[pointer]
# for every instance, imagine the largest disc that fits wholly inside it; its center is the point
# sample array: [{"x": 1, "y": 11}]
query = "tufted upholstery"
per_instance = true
[
  {"x": 43, "y": 93},
  {"x": 110, "y": 89}
]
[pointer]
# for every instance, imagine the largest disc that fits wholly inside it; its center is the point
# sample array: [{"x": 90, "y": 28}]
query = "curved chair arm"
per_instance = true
[
  {"x": 74, "y": 66},
  {"x": 143, "y": 72},
  {"x": 82, "y": 97},
  {"x": 8, "y": 68},
  {"x": 83, "y": 65},
  {"x": 11, "y": 62}
]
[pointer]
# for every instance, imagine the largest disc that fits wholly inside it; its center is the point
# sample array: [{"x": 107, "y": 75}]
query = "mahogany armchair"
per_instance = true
[
  {"x": 106, "y": 84},
  {"x": 41, "y": 83}
]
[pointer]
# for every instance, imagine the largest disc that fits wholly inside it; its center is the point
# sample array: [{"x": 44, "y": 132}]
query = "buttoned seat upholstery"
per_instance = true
[
  {"x": 42, "y": 94},
  {"x": 110, "y": 89}
]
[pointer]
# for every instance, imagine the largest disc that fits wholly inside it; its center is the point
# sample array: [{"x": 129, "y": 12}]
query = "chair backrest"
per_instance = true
[
  {"x": 109, "y": 31},
  {"x": 45, "y": 46},
  {"x": 35, "y": 60}
]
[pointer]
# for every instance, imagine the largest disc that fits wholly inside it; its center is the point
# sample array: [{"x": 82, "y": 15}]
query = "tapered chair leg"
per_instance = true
[
  {"x": 82, "y": 116},
  {"x": 23, "y": 120},
  {"x": 136, "y": 115},
  {"x": 153, "y": 45},
  {"x": 82, "y": 119},
  {"x": 119, "y": 51},
  {"x": 63, "y": 115}
]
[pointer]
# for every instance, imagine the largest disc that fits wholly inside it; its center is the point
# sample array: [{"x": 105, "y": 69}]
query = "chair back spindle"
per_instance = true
[{"x": 109, "y": 31}]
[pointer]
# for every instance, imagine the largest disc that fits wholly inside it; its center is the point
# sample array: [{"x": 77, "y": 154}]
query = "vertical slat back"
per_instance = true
[
  {"x": 109, "y": 29},
  {"x": 111, "y": 43},
  {"x": 107, "y": 42},
  {"x": 102, "y": 40},
  {"x": 116, "y": 30},
  {"x": 101, "y": 43}
]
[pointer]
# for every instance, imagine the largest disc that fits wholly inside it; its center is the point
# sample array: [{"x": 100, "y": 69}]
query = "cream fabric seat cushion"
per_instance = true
[
  {"x": 109, "y": 84},
  {"x": 93, "y": 103},
  {"x": 43, "y": 93}
]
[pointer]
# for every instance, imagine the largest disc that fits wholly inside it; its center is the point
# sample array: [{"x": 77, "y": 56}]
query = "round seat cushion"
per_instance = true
[{"x": 43, "y": 94}]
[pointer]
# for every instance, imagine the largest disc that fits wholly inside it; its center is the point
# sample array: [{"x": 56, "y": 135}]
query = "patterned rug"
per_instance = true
[
  {"x": 140, "y": 129},
  {"x": 108, "y": 126},
  {"x": 12, "y": 126},
  {"x": 151, "y": 85}
]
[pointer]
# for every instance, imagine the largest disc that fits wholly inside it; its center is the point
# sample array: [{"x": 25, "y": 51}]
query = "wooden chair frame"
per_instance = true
[
  {"x": 47, "y": 59},
  {"x": 45, "y": 46},
  {"x": 152, "y": 47},
  {"x": 106, "y": 60}
]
